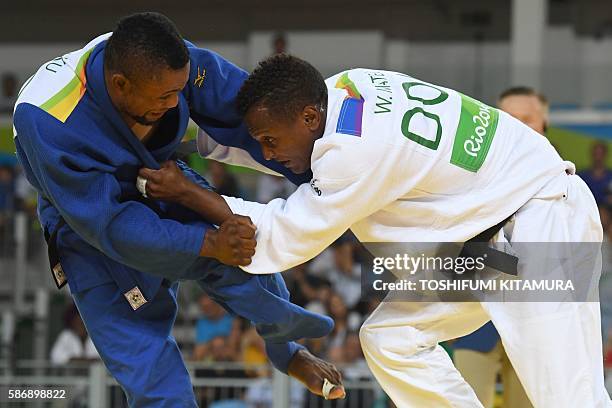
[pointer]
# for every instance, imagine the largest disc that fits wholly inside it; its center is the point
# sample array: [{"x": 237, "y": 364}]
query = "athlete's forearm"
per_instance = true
[
  {"x": 210, "y": 205},
  {"x": 234, "y": 242},
  {"x": 171, "y": 183}
]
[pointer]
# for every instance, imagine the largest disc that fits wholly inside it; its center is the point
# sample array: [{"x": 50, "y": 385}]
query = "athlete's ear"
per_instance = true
[
  {"x": 312, "y": 117},
  {"x": 120, "y": 82}
]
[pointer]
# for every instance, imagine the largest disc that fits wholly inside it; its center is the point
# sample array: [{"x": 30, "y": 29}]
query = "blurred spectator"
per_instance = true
[
  {"x": 73, "y": 343},
  {"x": 25, "y": 195},
  {"x": 344, "y": 320},
  {"x": 215, "y": 324},
  {"x": 254, "y": 353},
  {"x": 7, "y": 188},
  {"x": 279, "y": 43},
  {"x": 16, "y": 194},
  {"x": 220, "y": 351},
  {"x": 349, "y": 357},
  {"x": 260, "y": 394},
  {"x": 7, "y": 202},
  {"x": 608, "y": 361},
  {"x": 217, "y": 341},
  {"x": 224, "y": 182},
  {"x": 9, "y": 92},
  {"x": 598, "y": 176},
  {"x": 325, "y": 261},
  {"x": 323, "y": 291},
  {"x": 346, "y": 273},
  {"x": 304, "y": 287},
  {"x": 527, "y": 105},
  {"x": 322, "y": 263}
]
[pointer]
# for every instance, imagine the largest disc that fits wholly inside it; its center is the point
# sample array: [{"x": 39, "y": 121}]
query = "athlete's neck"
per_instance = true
[{"x": 142, "y": 132}]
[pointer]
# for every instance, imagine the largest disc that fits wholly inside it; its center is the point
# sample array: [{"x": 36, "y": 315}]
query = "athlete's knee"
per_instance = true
[{"x": 392, "y": 342}]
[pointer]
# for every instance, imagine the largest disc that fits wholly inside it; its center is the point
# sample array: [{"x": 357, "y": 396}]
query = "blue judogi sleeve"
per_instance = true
[
  {"x": 87, "y": 196},
  {"x": 211, "y": 91}
]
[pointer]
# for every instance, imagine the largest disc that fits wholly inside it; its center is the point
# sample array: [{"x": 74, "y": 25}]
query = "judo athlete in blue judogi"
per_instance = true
[{"x": 84, "y": 124}]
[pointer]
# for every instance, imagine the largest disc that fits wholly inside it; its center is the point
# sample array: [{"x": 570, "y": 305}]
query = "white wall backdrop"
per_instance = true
[
  {"x": 329, "y": 51},
  {"x": 574, "y": 70}
]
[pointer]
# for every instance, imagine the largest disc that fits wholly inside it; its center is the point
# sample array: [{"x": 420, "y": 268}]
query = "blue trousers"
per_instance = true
[
  {"x": 140, "y": 352},
  {"x": 138, "y": 348}
]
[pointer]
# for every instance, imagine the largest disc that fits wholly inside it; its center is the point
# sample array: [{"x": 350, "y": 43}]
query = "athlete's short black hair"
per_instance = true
[
  {"x": 143, "y": 43},
  {"x": 285, "y": 85}
]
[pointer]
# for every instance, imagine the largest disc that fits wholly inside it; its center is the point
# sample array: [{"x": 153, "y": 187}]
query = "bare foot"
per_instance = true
[{"x": 312, "y": 371}]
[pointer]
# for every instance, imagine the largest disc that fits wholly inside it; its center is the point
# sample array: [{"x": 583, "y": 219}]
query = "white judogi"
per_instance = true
[
  {"x": 406, "y": 161},
  {"x": 386, "y": 187}
]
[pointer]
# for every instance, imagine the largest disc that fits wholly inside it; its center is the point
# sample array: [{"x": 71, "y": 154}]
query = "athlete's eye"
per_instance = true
[{"x": 268, "y": 140}]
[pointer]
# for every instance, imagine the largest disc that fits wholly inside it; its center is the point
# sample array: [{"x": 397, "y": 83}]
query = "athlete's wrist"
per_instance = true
[
  {"x": 209, "y": 244},
  {"x": 188, "y": 192}
]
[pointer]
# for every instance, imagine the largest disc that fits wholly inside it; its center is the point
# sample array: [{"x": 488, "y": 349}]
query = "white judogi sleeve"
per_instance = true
[
  {"x": 348, "y": 185},
  {"x": 210, "y": 149}
]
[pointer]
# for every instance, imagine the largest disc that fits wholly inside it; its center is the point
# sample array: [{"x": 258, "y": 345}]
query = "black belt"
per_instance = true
[
  {"x": 59, "y": 277},
  {"x": 125, "y": 282},
  {"x": 493, "y": 258}
]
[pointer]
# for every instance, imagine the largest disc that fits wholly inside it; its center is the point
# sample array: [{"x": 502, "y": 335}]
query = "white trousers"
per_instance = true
[{"x": 555, "y": 347}]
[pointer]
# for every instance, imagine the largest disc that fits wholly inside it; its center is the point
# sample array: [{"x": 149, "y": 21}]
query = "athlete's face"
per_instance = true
[
  {"x": 288, "y": 141},
  {"x": 146, "y": 99}
]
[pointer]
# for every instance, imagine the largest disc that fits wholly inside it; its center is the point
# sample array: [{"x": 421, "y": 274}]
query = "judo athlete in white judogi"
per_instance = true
[{"x": 396, "y": 159}]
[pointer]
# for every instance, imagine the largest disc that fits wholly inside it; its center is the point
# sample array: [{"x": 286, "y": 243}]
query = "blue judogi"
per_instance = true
[{"x": 122, "y": 254}]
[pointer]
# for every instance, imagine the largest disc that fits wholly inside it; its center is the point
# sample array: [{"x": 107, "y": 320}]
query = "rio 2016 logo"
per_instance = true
[
  {"x": 474, "y": 134},
  {"x": 473, "y": 144}
]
